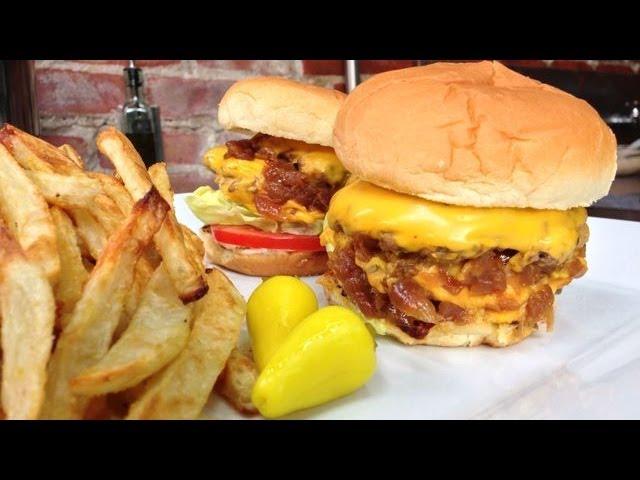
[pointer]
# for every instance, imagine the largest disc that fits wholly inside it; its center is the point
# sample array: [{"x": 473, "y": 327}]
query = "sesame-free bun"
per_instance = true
[
  {"x": 263, "y": 262},
  {"x": 282, "y": 108},
  {"x": 476, "y": 134}
]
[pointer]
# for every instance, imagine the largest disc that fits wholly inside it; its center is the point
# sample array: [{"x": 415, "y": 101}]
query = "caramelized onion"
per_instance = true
[
  {"x": 284, "y": 182},
  {"x": 409, "y": 325},
  {"x": 486, "y": 275},
  {"x": 371, "y": 302},
  {"x": 540, "y": 305},
  {"x": 451, "y": 312},
  {"x": 450, "y": 284},
  {"x": 411, "y": 299},
  {"x": 409, "y": 305},
  {"x": 243, "y": 149}
]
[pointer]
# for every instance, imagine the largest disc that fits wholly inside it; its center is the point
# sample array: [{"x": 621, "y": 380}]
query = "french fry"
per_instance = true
[
  {"x": 160, "y": 178},
  {"x": 186, "y": 274},
  {"x": 66, "y": 191},
  {"x": 115, "y": 190},
  {"x": 104, "y": 258},
  {"x": 182, "y": 269},
  {"x": 126, "y": 160},
  {"x": 92, "y": 235},
  {"x": 131, "y": 395},
  {"x": 51, "y": 165},
  {"x": 65, "y": 184},
  {"x": 27, "y": 216},
  {"x": 28, "y": 314},
  {"x": 143, "y": 272},
  {"x": 88, "y": 335},
  {"x": 73, "y": 275},
  {"x": 87, "y": 261},
  {"x": 72, "y": 153},
  {"x": 35, "y": 154},
  {"x": 158, "y": 332},
  {"x": 152, "y": 257},
  {"x": 236, "y": 382},
  {"x": 107, "y": 407},
  {"x": 194, "y": 245},
  {"x": 94, "y": 227},
  {"x": 181, "y": 390},
  {"x": 107, "y": 213},
  {"x": 97, "y": 409}
]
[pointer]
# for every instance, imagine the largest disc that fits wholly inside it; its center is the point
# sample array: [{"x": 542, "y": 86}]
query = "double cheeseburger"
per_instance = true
[
  {"x": 275, "y": 187},
  {"x": 467, "y": 215}
]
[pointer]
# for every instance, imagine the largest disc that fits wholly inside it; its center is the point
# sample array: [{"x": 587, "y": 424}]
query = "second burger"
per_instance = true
[{"x": 275, "y": 187}]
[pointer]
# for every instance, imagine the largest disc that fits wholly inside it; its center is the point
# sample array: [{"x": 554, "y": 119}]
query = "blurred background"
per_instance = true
[{"x": 71, "y": 100}]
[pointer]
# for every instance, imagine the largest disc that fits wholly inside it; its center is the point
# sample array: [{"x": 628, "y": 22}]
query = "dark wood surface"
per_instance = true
[
  {"x": 626, "y": 185},
  {"x": 622, "y": 186},
  {"x": 616, "y": 213}
]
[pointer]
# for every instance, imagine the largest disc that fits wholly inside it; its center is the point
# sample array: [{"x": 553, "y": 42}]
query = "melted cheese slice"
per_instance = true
[
  {"x": 416, "y": 224},
  {"x": 313, "y": 159},
  {"x": 240, "y": 179},
  {"x": 294, "y": 212}
]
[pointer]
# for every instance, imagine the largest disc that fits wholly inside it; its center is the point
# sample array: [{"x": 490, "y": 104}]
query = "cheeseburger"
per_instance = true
[
  {"x": 467, "y": 215},
  {"x": 275, "y": 187}
]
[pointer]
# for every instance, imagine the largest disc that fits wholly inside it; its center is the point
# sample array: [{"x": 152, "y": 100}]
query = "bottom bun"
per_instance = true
[
  {"x": 445, "y": 334},
  {"x": 262, "y": 262}
]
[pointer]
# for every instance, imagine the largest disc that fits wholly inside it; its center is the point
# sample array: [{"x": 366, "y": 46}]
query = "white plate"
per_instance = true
[{"x": 589, "y": 367}]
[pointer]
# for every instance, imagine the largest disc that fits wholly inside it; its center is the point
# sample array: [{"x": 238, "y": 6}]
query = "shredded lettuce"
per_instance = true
[{"x": 213, "y": 208}]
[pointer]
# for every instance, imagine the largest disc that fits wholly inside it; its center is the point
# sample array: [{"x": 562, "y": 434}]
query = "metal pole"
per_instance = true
[{"x": 352, "y": 70}]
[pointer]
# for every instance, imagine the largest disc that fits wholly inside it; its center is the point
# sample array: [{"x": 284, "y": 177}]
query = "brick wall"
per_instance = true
[{"x": 76, "y": 98}]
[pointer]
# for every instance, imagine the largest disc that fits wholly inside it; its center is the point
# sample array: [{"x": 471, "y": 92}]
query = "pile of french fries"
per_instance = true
[{"x": 106, "y": 308}]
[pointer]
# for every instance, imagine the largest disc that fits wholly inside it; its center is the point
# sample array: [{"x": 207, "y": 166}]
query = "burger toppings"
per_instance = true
[
  {"x": 414, "y": 291},
  {"x": 243, "y": 149},
  {"x": 371, "y": 303},
  {"x": 282, "y": 179},
  {"x": 250, "y": 237},
  {"x": 417, "y": 263},
  {"x": 410, "y": 298},
  {"x": 451, "y": 231},
  {"x": 283, "y": 182},
  {"x": 271, "y": 183},
  {"x": 486, "y": 274}
]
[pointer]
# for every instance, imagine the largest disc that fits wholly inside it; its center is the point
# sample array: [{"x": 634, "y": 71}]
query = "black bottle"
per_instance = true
[{"x": 141, "y": 122}]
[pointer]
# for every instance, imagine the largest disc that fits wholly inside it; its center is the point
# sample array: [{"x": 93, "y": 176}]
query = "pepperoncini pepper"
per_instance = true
[
  {"x": 273, "y": 311},
  {"x": 329, "y": 354}
]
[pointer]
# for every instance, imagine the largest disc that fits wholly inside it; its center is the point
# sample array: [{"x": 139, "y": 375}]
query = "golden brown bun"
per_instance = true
[
  {"x": 264, "y": 263},
  {"x": 445, "y": 334},
  {"x": 476, "y": 134},
  {"x": 282, "y": 108}
]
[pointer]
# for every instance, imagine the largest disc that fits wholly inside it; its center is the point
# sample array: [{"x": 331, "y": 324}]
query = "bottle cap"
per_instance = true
[{"x": 133, "y": 75}]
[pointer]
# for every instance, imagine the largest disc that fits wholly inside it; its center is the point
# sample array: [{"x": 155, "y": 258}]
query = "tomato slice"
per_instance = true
[{"x": 250, "y": 237}]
